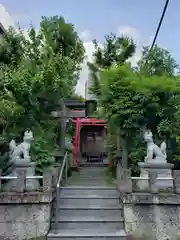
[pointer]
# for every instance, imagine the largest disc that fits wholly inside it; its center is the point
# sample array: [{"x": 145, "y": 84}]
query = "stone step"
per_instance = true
[
  {"x": 89, "y": 176},
  {"x": 57, "y": 237},
  {"x": 87, "y": 183},
  {"x": 90, "y": 212},
  {"x": 91, "y": 192},
  {"x": 98, "y": 176},
  {"x": 89, "y": 225},
  {"x": 89, "y": 202},
  {"x": 92, "y": 169},
  {"x": 86, "y": 176},
  {"x": 92, "y": 172},
  {"x": 90, "y": 218},
  {"x": 89, "y": 188},
  {"x": 96, "y": 234},
  {"x": 95, "y": 164},
  {"x": 89, "y": 179}
]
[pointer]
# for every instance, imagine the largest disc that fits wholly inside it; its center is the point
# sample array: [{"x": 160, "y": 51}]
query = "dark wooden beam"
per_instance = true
[
  {"x": 74, "y": 104},
  {"x": 2, "y": 30}
]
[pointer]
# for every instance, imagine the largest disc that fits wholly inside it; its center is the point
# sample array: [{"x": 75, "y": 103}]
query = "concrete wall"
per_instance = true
[
  {"x": 152, "y": 216},
  {"x": 25, "y": 215}
]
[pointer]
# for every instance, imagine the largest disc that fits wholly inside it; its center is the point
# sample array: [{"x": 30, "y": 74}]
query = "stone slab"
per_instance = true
[
  {"x": 27, "y": 197},
  {"x": 149, "y": 198}
]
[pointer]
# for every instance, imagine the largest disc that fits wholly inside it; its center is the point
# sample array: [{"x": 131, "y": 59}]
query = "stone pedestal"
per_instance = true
[
  {"x": 176, "y": 176},
  {"x": 143, "y": 184},
  {"x": 24, "y": 168},
  {"x": 123, "y": 179},
  {"x": 159, "y": 173}
]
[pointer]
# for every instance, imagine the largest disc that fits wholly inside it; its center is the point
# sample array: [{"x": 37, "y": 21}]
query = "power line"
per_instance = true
[
  {"x": 157, "y": 31},
  {"x": 160, "y": 22}
]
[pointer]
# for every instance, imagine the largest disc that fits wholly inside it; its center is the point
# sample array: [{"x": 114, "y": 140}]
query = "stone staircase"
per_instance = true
[{"x": 89, "y": 209}]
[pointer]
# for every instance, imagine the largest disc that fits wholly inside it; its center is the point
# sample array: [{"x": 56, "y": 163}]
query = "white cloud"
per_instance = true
[
  {"x": 85, "y": 36},
  {"x": 5, "y": 18}
]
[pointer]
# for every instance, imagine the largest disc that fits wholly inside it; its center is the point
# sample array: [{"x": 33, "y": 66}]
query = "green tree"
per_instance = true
[
  {"x": 116, "y": 50},
  {"x": 133, "y": 99},
  {"x": 48, "y": 65},
  {"x": 35, "y": 73},
  {"x": 12, "y": 48},
  {"x": 158, "y": 62},
  {"x": 129, "y": 99}
]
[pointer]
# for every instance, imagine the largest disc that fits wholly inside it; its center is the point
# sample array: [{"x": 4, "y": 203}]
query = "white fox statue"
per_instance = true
[
  {"x": 153, "y": 149},
  {"x": 23, "y": 148}
]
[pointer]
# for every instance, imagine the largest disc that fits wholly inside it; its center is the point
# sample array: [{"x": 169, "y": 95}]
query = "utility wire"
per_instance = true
[
  {"x": 159, "y": 26},
  {"x": 160, "y": 22}
]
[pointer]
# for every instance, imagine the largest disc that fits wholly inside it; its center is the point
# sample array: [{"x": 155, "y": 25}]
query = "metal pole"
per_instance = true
[
  {"x": 66, "y": 168},
  {"x": 57, "y": 209},
  {"x": 62, "y": 127}
]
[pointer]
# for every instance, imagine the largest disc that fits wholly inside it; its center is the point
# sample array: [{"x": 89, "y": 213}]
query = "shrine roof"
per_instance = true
[{"x": 74, "y": 104}]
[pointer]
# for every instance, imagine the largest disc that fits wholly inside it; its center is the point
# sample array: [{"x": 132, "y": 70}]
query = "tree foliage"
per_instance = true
[
  {"x": 35, "y": 73},
  {"x": 134, "y": 99},
  {"x": 115, "y": 50},
  {"x": 158, "y": 62},
  {"x": 131, "y": 102}
]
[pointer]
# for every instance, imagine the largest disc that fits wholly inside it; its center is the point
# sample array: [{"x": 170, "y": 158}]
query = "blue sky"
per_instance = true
[{"x": 95, "y": 18}]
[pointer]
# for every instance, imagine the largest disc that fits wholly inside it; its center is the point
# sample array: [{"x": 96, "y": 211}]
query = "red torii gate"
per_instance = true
[{"x": 79, "y": 123}]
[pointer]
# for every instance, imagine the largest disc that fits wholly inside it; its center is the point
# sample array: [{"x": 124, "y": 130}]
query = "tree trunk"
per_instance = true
[{"x": 124, "y": 153}]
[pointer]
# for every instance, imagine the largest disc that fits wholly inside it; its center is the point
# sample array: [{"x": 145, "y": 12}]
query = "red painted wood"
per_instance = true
[{"x": 84, "y": 122}]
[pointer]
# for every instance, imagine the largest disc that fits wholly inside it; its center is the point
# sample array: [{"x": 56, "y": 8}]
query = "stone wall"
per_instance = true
[
  {"x": 153, "y": 212},
  {"x": 150, "y": 216},
  {"x": 25, "y": 216}
]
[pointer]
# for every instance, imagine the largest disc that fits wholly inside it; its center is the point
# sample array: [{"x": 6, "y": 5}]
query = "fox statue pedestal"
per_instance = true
[
  {"x": 158, "y": 164},
  {"x": 163, "y": 173},
  {"x": 24, "y": 170}
]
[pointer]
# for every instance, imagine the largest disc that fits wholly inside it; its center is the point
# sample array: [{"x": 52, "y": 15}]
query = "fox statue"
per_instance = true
[
  {"x": 23, "y": 148},
  {"x": 153, "y": 149}
]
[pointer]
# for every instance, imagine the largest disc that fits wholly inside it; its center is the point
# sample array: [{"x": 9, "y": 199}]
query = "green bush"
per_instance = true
[{"x": 42, "y": 149}]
